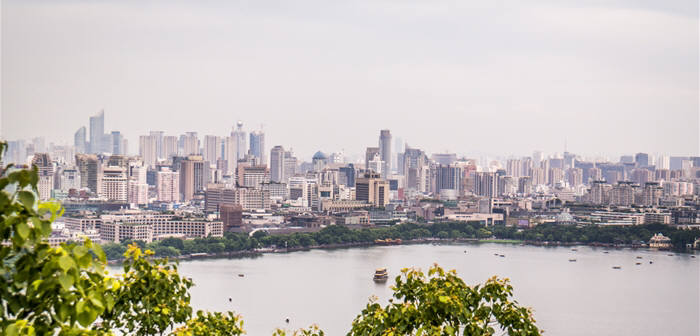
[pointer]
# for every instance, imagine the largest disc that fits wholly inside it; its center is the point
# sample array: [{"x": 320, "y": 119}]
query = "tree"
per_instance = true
[{"x": 442, "y": 304}]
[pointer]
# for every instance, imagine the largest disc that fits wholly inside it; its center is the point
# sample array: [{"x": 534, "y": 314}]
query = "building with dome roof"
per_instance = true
[
  {"x": 319, "y": 161},
  {"x": 660, "y": 241}
]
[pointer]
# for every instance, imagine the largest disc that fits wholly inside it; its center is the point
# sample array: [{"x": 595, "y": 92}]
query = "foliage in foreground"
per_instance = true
[
  {"x": 442, "y": 304},
  {"x": 67, "y": 291}
]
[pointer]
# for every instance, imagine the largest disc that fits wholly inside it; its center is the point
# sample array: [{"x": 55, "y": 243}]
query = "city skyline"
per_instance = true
[{"x": 590, "y": 75}]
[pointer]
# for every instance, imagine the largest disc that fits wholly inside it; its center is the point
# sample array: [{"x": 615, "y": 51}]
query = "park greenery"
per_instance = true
[
  {"x": 336, "y": 235},
  {"x": 67, "y": 290}
]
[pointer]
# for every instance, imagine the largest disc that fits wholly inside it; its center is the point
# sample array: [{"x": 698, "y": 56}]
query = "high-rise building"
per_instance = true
[
  {"x": 79, "y": 141},
  {"x": 385, "y": 151},
  {"x": 148, "y": 150},
  {"x": 444, "y": 159},
  {"x": 194, "y": 176},
  {"x": 641, "y": 159},
  {"x": 574, "y": 176},
  {"x": 89, "y": 168},
  {"x": 169, "y": 146},
  {"x": 372, "y": 189},
  {"x": 97, "y": 132},
  {"x": 212, "y": 149},
  {"x": 114, "y": 184},
  {"x": 117, "y": 141},
  {"x": 253, "y": 176},
  {"x": 257, "y": 146},
  {"x": 652, "y": 194},
  {"x": 70, "y": 179},
  {"x": 158, "y": 138},
  {"x": 235, "y": 147},
  {"x": 486, "y": 184},
  {"x": 277, "y": 164},
  {"x": 190, "y": 144},
  {"x": 370, "y": 153},
  {"x": 168, "y": 185},
  {"x": 448, "y": 178},
  {"x": 622, "y": 194},
  {"x": 290, "y": 165},
  {"x": 46, "y": 175}
]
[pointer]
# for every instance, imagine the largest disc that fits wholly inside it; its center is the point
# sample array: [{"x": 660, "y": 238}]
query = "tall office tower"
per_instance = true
[
  {"x": 397, "y": 160},
  {"x": 372, "y": 189},
  {"x": 89, "y": 168},
  {"x": 148, "y": 150},
  {"x": 641, "y": 159},
  {"x": 168, "y": 185},
  {"x": 158, "y": 137},
  {"x": 97, "y": 131},
  {"x": 239, "y": 141},
  {"x": 290, "y": 165},
  {"x": 369, "y": 155},
  {"x": 169, "y": 146},
  {"x": 448, "y": 178},
  {"x": 117, "y": 142},
  {"x": 212, "y": 149},
  {"x": 663, "y": 162},
  {"x": 46, "y": 175},
  {"x": 137, "y": 183},
  {"x": 194, "y": 176},
  {"x": 525, "y": 185},
  {"x": 599, "y": 192},
  {"x": 346, "y": 175},
  {"x": 376, "y": 165},
  {"x": 556, "y": 175},
  {"x": 622, "y": 193},
  {"x": 514, "y": 167},
  {"x": 652, "y": 194},
  {"x": 277, "y": 164},
  {"x": 574, "y": 176},
  {"x": 190, "y": 144},
  {"x": 537, "y": 158},
  {"x": 253, "y": 176},
  {"x": 257, "y": 146},
  {"x": 642, "y": 176},
  {"x": 125, "y": 146},
  {"x": 385, "y": 151},
  {"x": 70, "y": 179},
  {"x": 486, "y": 184},
  {"x": 114, "y": 184},
  {"x": 595, "y": 174},
  {"x": 81, "y": 145}
]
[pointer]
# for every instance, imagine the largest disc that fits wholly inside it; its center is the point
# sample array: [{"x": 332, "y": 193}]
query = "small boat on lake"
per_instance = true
[
  {"x": 387, "y": 241},
  {"x": 572, "y": 260},
  {"x": 381, "y": 275},
  {"x": 616, "y": 267},
  {"x": 573, "y": 249},
  {"x": 240, "y": 275},
  {"x": 638, "y": 263},
  {"x": 638, "y": 257}
]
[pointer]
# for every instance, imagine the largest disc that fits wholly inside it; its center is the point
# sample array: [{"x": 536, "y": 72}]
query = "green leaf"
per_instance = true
[
  {"x": 23, "y": 229},
  {"x": 26, "y": 198},
  {"x": 66, "y": 262},
  {"x": 80, "y": 251},
  {"x": 65, "y": 280},
  {"x": 11, "y": 330}
]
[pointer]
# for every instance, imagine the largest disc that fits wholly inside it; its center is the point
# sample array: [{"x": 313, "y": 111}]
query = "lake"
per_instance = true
[{"x": 586, "y": 297}]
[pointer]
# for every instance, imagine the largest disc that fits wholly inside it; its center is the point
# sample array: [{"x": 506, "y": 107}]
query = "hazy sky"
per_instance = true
[{"x": 498, "y": 77}]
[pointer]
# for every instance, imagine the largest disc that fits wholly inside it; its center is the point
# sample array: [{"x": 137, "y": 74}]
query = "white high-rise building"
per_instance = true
[
  {"x": 148, "y": 149},
  {"x": 277, "y": 164},
  {"x": 385, "y": 152},
  {"x": 212, "y": 149},
  {"x": 113, "y": 185},
  {"x": 168, "y": 186}
]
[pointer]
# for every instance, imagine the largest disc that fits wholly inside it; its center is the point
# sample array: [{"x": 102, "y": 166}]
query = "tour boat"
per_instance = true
[
  {"x": 387, "y": 241},
  {"x": 380, "y": 275}
]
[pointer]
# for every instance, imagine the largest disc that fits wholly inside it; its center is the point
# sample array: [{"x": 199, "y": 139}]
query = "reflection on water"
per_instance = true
[{"x": 586, "y": 297}]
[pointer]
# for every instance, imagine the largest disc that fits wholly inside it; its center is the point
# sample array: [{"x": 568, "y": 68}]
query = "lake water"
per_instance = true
[{"x": 586, "y": 297}]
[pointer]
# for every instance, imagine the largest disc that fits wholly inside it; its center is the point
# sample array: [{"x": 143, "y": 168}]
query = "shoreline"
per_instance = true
[{"x": 260, "y": 252}]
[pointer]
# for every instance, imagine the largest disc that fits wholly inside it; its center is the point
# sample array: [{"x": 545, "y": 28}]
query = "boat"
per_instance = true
[
  {"x": 617, "y": 267},
  {"x": 572, "y": 260},
  {"x": 638, "y": 257},
  {"x": 670, "y": 255},
  {"x": 241, "y": 275},
  {"x": 606, "y": 252},
  {"x": 387, "y": 241},
  {"x": 651, "y": 262},
  {"x": 502, "y": 255},
  {"x": 381, "y": 275},
  {"x": 638, "y": 263},
  {"x": 573, "y": 249}
]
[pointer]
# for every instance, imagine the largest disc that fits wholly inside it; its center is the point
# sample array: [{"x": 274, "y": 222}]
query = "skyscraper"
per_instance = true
[
  {"x": 97, "y": 131},
  {"x": 169, "y": 146},
  {"x": 642, "y": 159},
  {"x": 257, "y": 146},
  {"x": 117, "y": 143},
  {"x": 46, "y": 175},
  {"x": 190, "y": 144},
  {"x": 79, "y": 140},
  {"x": 369, "y": 155},
  {"x": 158, "y": 137},
  {"x": 212, "y": 149},
  {"x": 89, "y": 168},
  {"x": 385, "y": 151},
  {"x": 194, "y": 175},
  {"x": 148, "y": 149},
  {"x": 235, "y": 147},
  {"x": 277, "y": 164}
]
